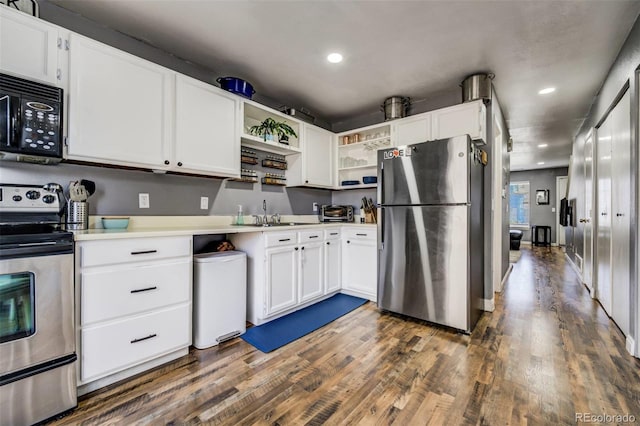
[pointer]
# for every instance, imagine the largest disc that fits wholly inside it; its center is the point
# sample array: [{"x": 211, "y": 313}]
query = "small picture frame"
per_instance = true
[{"x": 542, "y": 196}]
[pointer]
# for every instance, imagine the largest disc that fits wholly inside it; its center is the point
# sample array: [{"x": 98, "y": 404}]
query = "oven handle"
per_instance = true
[
  {"x": 7, "y": 101},
  {"x": 17, "y": 250}
]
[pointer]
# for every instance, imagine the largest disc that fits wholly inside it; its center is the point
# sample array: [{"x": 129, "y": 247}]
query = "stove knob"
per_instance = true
[
  {"x": 17, "y": 198},
  {"x": 48, "y": 199},
  {"x": 33, "y": 195}
]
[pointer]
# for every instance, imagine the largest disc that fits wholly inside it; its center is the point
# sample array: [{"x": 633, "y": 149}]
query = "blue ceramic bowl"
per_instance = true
[{"x": 115, "y": 222}]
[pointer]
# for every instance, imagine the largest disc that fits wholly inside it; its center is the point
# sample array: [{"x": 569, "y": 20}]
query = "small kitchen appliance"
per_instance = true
[
  {"x": 30, "y": 121},
  {"x": 430, "y": 231},
  {"x": 336, "y": 213},
  {"x": 37, "y": 333}
]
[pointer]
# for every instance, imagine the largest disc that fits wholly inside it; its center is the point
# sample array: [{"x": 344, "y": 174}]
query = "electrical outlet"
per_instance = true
[
  {"x": 315, "y": 207},
  {"x": 204, "y": 203},
  {"x": 143, "y": 201}
]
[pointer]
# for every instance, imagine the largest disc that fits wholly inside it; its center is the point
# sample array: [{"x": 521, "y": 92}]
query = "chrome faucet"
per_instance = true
[{"x": 265, "y": 219}]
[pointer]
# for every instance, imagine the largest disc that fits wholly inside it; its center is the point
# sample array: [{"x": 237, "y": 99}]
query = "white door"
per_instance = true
[
  {"x": 412, "y": 130},
  {"x": 620, "y": 212},
  {"x": 318, "y": 156},
  {"x": 28, "y": 47},
  {"x": 282, "y": 279},
  {"x": 206, "y": 129},
  {"x": 561, "y": 192},
  {"x": 603, "y": 245},
  {"x": 119, "y": 106},
  {"x": 359, "y": 266},
  {"x": 333, "y": 266},
  {"x": 587, "y": 260},
  {"x": 311, "y": 271}
]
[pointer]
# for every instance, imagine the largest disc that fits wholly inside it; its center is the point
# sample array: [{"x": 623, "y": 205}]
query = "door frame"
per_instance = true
[{"x": 559, "y": 196}]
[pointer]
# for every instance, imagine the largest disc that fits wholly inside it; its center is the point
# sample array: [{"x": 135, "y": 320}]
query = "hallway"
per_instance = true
[{"x": 546, "y": 353}]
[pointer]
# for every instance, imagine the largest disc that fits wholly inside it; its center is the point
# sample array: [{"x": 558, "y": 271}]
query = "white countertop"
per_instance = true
[{"x": 141, "y": 227}]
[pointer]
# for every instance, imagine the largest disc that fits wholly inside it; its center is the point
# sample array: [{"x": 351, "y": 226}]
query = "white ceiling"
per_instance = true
[{"x": 409, "y": 48}]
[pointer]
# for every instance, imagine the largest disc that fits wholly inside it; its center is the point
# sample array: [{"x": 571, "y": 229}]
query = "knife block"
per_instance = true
[{"x": 369, "y": 218}]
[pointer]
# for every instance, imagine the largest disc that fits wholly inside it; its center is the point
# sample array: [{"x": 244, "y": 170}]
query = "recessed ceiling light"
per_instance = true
[
  {"x": 543, "y": 145},
  {"x": 334, "y": 58},
  {"x": 547, "y": 90},
  {"x": 540, "y": 163}
]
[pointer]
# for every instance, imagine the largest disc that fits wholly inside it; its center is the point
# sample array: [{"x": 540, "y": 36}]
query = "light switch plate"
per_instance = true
[
  {"x": 315, "y": 207},
  {"x": 204, "y": 203},
  {"x": 143, "y": 201}
]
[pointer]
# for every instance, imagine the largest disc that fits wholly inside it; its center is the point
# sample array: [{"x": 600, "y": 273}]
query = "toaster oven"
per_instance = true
[{"x": 335, "y": 213}]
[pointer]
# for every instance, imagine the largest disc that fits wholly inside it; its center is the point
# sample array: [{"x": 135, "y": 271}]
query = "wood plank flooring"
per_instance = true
[{"x": 547, "y": 352}]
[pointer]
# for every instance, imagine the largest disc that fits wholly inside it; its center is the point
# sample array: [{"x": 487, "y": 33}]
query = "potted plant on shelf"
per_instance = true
[{"x": 269, "y": 129}]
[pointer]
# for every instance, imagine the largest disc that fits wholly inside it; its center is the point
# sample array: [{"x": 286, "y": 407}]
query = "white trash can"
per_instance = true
[{"x": 219, "y": 297}]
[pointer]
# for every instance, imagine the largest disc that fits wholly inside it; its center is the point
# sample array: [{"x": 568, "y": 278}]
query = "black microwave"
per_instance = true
[{"x": 30, "y": 121}]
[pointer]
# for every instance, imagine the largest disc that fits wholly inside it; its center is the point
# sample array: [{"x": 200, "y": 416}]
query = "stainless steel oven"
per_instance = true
[{"x": 37, "y": 338}]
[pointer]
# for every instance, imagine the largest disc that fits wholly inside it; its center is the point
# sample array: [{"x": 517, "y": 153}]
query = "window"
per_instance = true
[{"x": 519, "y": 204}]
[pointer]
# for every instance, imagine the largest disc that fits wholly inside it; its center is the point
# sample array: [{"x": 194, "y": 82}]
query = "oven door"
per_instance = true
[{"x": 36, "y": 310}]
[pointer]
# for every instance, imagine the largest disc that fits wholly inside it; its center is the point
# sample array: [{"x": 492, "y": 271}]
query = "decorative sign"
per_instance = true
[
  {"x": 542, "y": 196},
  {"x": 27, "y": 6}
]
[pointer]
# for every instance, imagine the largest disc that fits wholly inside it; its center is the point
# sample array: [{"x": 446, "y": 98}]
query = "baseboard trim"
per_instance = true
[
  {"x": 631, "y": 346},
  {"x": 504, "y": 279},
  {"x": 489, "y": 304},
  {"x": 574, "y": 266}
]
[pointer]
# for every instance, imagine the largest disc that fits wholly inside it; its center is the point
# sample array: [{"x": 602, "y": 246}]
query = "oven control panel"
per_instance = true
[{"x": 30, "y": 199}]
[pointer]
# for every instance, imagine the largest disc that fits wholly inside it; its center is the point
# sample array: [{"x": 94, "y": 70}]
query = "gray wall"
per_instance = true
[
  {"x": 117, "y": 191},
  {"x": 623, "y": 71},
  {"x": 541, "y": 214}
]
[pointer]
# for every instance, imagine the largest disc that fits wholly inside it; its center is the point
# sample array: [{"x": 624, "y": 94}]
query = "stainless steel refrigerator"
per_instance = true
[{"x": 430, "y": 231}]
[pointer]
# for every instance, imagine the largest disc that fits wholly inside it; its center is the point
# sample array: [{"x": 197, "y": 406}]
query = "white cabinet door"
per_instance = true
[
  {"x": 28, "y": 47},
  {"x": 318, "y": 145},
  {"x": 412, "y": 130},
  {"x": 311, "y": 271},
  {"x": 333, "y": 266},
  {"x": 282, "y": 280},
  {"x": 206, "y": 129},
  {"x": 359, "y": 266},
  {"x": 463, "y": 119},
  {"x": 119, "y": 106}
]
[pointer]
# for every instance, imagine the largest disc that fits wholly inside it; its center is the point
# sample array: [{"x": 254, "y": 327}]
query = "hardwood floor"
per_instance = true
[{"x": 546, "y": 353}]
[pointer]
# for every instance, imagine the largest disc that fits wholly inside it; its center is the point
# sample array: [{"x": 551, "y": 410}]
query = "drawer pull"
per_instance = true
[
  {"x": 284, "y": 239},
  {"x": 361, "y": 235},
  {"x": 313, "y": 236},
  {"x": 333, "y": 233},
  {"x": 151, "y": 336},
  {"x": 140, "y": 290},
  {"x": 144, "y": 252}
]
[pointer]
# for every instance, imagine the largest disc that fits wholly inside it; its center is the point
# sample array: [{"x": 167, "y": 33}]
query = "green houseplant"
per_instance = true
[{"x": 271, "y": 128}]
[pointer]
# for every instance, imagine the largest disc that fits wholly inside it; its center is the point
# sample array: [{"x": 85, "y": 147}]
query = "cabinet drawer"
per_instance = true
[
  {"x": 112, "y": 347},
  {"x": 94, "y": 253},
  {"x": 311, "y": 236},
  {"x": 274, "y": 239},
  {"x": 111, "y": 294},
  {"x": 332, "y": 234},
  {"x": 359, "y": 234}
]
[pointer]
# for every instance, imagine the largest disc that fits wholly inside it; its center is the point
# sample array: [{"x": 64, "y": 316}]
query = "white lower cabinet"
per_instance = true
[
  {"x": 360, "y": 263},
  {"x": 332, "y": 261},
  {"x": 134, "y": 297},
  {"x": 311, "y": 271},
  {"x": 281, "y": 279}
]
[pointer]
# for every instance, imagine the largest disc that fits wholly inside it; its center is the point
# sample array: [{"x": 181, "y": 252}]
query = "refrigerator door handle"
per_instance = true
[
  {"x": 380, "y": 229},
  {"x": 381, "y": 184}
]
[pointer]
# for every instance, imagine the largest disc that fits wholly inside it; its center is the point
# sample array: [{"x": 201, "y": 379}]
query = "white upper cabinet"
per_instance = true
[
  {"x": 29, "y": 47},
  {"x": 467, "y": 118},
  {"x": 119, "y": 106},
  {"x": 412, "y": 130},
  {"x": 206, "y": 138},
  {"x": 318, "y": 157}
]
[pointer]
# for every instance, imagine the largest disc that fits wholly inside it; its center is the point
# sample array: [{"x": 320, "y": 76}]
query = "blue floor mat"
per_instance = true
[{"x": 277, "y": 333}]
